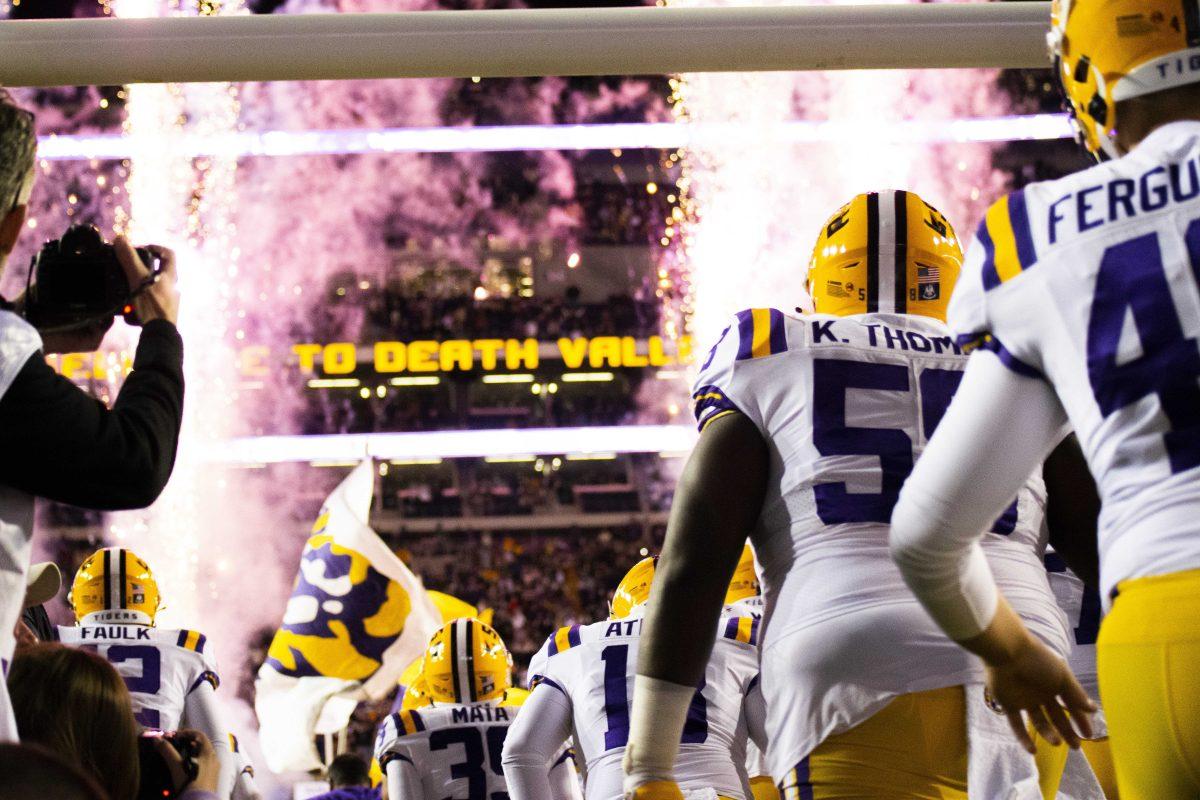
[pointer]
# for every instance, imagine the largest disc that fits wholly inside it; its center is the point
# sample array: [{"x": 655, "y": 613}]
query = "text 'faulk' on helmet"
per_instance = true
[
  {"x": 885, "y": 252},
  {"x": 114, "y": 585},
  {"x": 466, "y": 662},
  {"x": 1107, "y": 51}
]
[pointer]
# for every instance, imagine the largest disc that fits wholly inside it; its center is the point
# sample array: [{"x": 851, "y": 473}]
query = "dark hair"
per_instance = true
[
  {"x": 75, "y": 704},
  {"x": 348, "y": 769},
  {"x": 32, "y": 771}
]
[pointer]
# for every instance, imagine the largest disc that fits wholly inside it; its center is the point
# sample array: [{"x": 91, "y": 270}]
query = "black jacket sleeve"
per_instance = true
[{"x": 58, "y": 442}]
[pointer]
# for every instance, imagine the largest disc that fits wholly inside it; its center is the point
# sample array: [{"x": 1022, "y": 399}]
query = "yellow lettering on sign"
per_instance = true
[
  {"x": 658, "y": 356},
  {"x": 252, "y": 361},
  {"x": 685, "y": 350},
  {"x": 629, "y": 354},
  {"x": 307, "y": 353},
  {"x": 488, "y": 350},
  {"x": 521, "y": 355},
  {"x": 421, "y": 355},
  {"x": 456, "y": 353},
  {"x": 573, "y": 352},
  {"x": 339, "y": 358},
  {"x": 605, "y": 351},
  {"x": 72, "y": 365},
  {"x": 389, "y": 356}
]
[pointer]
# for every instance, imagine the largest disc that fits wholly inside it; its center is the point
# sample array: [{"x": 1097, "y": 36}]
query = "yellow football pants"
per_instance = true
[
  {"x": 1148, "y": 656},
  {"x": 913, "y": 749}
]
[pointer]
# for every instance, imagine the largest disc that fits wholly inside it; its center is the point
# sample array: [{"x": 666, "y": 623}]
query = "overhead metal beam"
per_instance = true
[{"x": 509, "y": 43}]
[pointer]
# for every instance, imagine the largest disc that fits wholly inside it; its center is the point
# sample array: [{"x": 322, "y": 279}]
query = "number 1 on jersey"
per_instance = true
[{"x": 616, "y": 702}]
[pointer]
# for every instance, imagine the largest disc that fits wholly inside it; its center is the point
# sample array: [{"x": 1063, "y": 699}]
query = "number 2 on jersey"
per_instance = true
[
  {"x": 148, "y": 682},
  {"x": 616, "y": 702},
  {"x": 1133, "y": 281}
]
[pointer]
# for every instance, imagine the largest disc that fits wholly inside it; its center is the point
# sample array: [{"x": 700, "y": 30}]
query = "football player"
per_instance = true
[
  {"x": 1083, "y": 294},
  {"x": 809, "y": 426},
  {"x": 583, "y": 679},
  {"x": 171, "y": 674},
  {"x": 447, "y": 740}
]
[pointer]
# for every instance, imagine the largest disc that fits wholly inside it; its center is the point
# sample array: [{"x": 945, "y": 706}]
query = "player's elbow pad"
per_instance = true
[{"x": 948, "y": 574}]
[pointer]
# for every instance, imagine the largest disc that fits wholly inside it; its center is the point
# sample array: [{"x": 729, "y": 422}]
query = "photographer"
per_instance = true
[{"x": 56, "y": 441}]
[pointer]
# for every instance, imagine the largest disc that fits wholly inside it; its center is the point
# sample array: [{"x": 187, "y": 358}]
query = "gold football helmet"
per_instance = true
[
  {"x": 745, "y": 580},
  {"x": 466, "y": 662},
  {"x": 634, "y": 589},
  {"x": 885, "y": 252},
  {"x": 114, "y": 585},
  {"x": 1106, "y": 51},
  {"x": 416, "y": 695}
]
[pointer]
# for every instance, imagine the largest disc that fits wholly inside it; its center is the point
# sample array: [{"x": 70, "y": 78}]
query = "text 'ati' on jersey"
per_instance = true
[
  {"x": 596, "y": 674},
  {"x": 1090, "y": 283},
  {"x": 160, "y": 666}
]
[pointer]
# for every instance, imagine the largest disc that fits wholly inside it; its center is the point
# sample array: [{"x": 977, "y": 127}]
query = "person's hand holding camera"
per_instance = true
[
  {"x": 197, "y": 747},
  {"x": 160, "y": 300}
]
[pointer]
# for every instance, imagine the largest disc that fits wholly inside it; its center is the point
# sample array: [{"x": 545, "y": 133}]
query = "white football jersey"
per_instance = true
[
  {"x": 1091, "y": 282},
  {"x": 846, "y": 405},
  {"x": 161, "y": 666},
  {"x": 455, "y": 749},
  {"x": 595, "y": 665}
]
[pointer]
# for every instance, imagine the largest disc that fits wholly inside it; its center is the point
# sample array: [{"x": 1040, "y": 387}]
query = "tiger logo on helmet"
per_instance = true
[
  {"x": 1107, "y": 51},
  {"x": 885, "y": 252},
  {"x": 466, "y": 662},
  {"x": 114, "y": 585}
]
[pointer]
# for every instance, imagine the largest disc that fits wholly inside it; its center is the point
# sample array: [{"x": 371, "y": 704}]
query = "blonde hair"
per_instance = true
[{"x": 75, "y": 704}]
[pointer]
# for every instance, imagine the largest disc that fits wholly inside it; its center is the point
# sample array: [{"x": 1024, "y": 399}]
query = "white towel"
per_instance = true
[{"x": 998, "y": 767}]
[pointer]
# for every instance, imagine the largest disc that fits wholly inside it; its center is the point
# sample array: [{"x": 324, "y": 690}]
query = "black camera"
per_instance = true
[
  {"x": 157, "y": 780},
  {"x": 77, "y": 279}
]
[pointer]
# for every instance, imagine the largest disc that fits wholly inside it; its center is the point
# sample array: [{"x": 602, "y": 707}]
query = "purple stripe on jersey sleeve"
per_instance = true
[
  {"x": 573, "y": 636},
  {"x": 754, "y": 631},
  {"x": 991, "y": 278},
  {"x": 538, "y": 680},
  {"x": 1009, "y": 360},
  {"x": 778, "y": 332},
  {"x": 182, "y": 640},
  {"x": 731, "y": 628},
  {"x": 745, "y": 323},
  {"x": 209, "y": 677},
  {"x": 200, "y": 640},
  {"x": 1018, "y": 215},
  {"x": 418, "y": 723}
]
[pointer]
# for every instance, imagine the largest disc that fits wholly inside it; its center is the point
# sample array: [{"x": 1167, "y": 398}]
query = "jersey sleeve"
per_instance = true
[
  {"x": 751, "y": 334},
  {"x": 967, "y": 313},
  {"x": 1002, "y": 248},
  {"x": 555, "y": 669},
  {"x": 197, "y": 644},
  {"x": 390, "y": 744}
]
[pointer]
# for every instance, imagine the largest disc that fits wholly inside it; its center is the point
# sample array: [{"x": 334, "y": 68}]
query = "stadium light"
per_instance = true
[
  {"x": 524, "y": 42},
  {"x": 511, "y": 138},
  {"x": 504, "y": 443}
]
